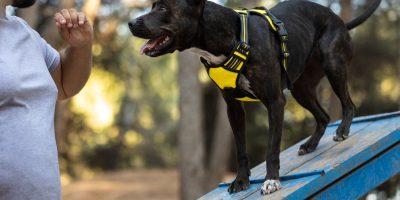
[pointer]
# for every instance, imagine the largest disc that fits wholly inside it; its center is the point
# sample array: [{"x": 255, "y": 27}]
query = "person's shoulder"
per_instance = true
[
  {"x": 25, "y": 25},
  {"x": 19, "y": 20}
]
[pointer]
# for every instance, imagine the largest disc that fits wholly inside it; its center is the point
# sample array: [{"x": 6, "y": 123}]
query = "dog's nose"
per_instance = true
[
  {"x": 131, "y": 24},
  {"x": 134, "y": 23}
]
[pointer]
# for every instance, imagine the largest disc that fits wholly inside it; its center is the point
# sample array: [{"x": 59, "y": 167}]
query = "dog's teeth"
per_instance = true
[{"x": 166, "y": 39}]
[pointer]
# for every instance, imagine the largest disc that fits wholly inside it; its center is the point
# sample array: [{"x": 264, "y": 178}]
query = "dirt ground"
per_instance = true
[{"x": 126, "y": 185}]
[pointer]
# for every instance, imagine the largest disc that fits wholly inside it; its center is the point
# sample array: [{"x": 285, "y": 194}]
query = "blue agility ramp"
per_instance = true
[{"x": 335, "y": 170}]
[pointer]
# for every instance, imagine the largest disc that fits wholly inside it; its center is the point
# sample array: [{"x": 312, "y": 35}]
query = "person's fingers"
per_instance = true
[
  {"x": 74, "y": 17},
  {"x": 60, "y": 20},
  {"x": 61, "y": 24},
  {"x": 82, "y": 18},
  {"x": 67, "y": 17}
]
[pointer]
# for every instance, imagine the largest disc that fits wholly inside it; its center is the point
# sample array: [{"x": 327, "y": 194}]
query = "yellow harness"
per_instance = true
[{"x": 226, "y": 75}]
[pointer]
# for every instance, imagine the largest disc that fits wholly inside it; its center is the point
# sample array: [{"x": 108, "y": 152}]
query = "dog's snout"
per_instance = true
[
  {"x": 138, "y": 28},
  {"x": 134, "y": 23}
]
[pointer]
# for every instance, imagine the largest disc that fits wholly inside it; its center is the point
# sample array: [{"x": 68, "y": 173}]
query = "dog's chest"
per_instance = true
[{"x": 243, "y": 82}]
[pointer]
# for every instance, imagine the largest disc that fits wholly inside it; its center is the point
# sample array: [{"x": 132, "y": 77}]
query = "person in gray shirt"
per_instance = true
[{"x": 33, "y": 76}]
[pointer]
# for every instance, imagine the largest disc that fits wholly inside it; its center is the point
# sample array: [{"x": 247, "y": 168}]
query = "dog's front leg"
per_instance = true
[
  {"x": 236, "y": 116},
  {"x": 275, "y": 117}
]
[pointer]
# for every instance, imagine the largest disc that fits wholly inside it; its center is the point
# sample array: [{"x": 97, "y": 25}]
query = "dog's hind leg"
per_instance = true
[
  {"x": 304, "y": 91},
  {"x": 336, "y": 52},
  {"x": 236, "y": 117}
]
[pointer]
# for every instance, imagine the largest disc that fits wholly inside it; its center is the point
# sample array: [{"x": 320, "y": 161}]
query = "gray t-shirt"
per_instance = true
[{"x": 28, "y": 154}]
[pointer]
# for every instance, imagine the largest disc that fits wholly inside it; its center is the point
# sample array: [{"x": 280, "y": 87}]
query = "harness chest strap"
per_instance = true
[{"x": 226, "y": 76}]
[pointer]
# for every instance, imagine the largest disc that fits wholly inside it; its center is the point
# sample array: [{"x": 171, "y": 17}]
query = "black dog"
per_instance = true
[{"x": 319, "y": 44}]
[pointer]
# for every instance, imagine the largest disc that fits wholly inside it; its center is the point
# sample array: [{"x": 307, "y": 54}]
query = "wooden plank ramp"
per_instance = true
[{"x": 368, "y": 157}]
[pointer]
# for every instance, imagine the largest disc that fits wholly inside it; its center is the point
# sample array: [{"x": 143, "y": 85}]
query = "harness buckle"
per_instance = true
[
  {"x": 282, "y": 31},
  {"x": 242, "y": 11},
  {"x": 244, "y": 46},
  {"x": 284, "y": 38},
  {"x": 286, "y": 54}
]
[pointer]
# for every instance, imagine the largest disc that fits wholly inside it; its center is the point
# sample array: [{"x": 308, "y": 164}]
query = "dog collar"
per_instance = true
[{"x": 226, "y": 76}]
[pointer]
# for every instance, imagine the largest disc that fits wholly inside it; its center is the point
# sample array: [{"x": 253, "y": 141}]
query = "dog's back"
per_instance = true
[{"x": 305, "y": 22}]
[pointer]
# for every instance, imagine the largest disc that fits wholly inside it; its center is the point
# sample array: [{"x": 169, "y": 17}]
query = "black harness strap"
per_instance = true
[{"x": 283, "y": 38}]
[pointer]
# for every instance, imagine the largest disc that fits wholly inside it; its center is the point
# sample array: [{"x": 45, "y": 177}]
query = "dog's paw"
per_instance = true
[
  {"x": 270, "y": 186},
  {"x": 239, "y": 185},
  {"x": 302, "y": 152},
  {"x": 305, "y": 149},
  {"x": 341, "y": 134},
  {"x": 339, "y": 138}
]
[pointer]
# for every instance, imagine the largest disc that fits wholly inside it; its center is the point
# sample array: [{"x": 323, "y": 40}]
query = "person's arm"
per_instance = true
[{"x": 76, "y": 59}]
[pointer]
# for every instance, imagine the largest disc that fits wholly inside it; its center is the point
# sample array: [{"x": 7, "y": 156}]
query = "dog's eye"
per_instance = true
[{"x": 162, "y": 9}]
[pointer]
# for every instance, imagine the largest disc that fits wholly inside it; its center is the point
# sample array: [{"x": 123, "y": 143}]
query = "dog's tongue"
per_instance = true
[{"x": 151, "y": 44}]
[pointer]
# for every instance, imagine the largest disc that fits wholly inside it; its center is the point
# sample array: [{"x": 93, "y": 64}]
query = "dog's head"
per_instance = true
[{"x": 170, "y": 25}]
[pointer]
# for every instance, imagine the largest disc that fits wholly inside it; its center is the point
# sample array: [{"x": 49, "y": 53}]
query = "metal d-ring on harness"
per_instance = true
[{"x": 226, "y": 75}]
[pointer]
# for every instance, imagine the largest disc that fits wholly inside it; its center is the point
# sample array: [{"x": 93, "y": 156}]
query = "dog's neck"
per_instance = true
[{"x": 218, "y": 33}]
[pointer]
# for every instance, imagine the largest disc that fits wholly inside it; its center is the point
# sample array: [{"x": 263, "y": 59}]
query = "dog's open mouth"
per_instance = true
[{"x": 156, "y": 46}]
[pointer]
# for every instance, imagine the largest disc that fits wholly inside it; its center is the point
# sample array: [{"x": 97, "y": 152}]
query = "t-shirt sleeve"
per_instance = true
[{"x": 51, "y": 56}]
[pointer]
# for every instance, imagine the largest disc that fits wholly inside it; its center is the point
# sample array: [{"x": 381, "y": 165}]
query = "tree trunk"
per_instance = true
[
  {"x": 221, "y": 147},
  {"x": 346, "y": 10},
  {"x": 190, "y": 136}
]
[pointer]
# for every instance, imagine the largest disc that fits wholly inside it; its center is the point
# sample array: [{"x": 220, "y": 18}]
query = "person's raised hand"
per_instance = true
[{"x": 74, "y": 27}]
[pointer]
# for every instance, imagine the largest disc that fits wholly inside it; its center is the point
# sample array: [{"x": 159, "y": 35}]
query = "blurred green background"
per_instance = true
[{"x": 130, "y": 115}]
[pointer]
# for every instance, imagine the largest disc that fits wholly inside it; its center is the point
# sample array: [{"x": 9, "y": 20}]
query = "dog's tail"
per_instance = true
[{"x": 360, "y": 19}]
